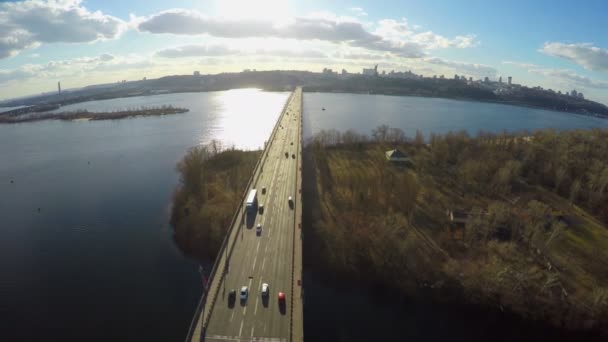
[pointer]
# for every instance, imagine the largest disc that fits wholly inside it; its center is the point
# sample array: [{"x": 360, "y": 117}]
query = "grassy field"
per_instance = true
[{"x": 525, "y": 247}]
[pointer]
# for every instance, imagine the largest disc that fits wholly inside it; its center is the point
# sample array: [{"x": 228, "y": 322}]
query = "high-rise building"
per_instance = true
[
  {"x": 509, "y": 79},
  {"x": 58, "y": 87},
  {"x": 486, "y": 79},
  {"x": 500, "y": 79},
  {"x": 196, "y": 73},
  {"x": 456, "y": 77}
]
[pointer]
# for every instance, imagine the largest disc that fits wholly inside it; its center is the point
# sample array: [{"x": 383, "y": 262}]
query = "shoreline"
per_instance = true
[{"x": 85, "y": 115}]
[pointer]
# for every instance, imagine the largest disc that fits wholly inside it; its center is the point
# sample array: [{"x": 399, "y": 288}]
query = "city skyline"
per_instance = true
[{"x": 89, "y": 42}]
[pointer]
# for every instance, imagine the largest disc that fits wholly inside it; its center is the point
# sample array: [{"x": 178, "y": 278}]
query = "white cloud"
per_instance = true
[
  {"x": 222, "y": 50},
  {"x": 70, "y": 67},
  {"x": 564, "y": 77},
  {"x": 468, "y": 69},
  {"x": 27, "y": 24},
  {"x": 196, "y": 51},
  {"x": 390, "y": 36},
  {"x": 584, "y": 54},
  {"x": 358, "y": 11}
]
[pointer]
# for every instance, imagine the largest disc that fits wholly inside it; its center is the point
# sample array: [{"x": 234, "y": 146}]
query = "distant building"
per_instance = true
[
  {"x": 329, "y": 72},
  {"x": 574, "y": 93},
  {"x": 344, "y": 72},
  {"x": 58, "y": 87},
  {"x": 509, "y": 79},
  {"x": 442, "y": 77},
  {"x": 396, "y": 156},
  {"x": 580, "y": 96},
  {"x": 456, "y": 77},
  {"x": 434, "y": 77},
  {"x": 470, "y": 79},
  {"x": 486, "y": 79},
  {"x": 500, "y": 79},
  {"x": 371, "y": 72},
  {"x": 196, "y": 73}
]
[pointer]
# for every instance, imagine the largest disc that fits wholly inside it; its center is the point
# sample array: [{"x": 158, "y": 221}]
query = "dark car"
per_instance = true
[
  {"x": 286, "y": 154},
  {"x": 293, "y": 156},
  {"x": 231, "y": 297}
]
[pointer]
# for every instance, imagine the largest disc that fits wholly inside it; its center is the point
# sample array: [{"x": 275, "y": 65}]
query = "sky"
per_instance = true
[{"x": 562, "y": 45}]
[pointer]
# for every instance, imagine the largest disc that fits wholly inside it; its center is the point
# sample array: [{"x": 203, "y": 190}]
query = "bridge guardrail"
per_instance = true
[{"x": 203, "y": 301}]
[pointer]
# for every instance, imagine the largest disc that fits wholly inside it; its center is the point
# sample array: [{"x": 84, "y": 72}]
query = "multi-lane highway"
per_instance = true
[{"x": 272, "y": 256}]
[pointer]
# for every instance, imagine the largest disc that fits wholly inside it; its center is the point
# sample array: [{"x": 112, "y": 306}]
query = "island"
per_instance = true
[
  {"x": 515, "y": 222},
  {"x": 21, "y": 115}
]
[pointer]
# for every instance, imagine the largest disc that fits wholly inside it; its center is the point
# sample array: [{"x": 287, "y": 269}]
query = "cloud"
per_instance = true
[
  {"x": 221, "y": 50},
  {"x": 196, "y": 51},
  {"x": 477, "y": 70},
  {"x": 391, "y": 36},
  {"x": 27, "y": 24},
  {"x": 358, "y": 11},
  {"x": 565, "y": 76},
  {"x": 571, "y": 77},
  {"x": 584, "y": 54},
  {"x": 63, "y": 68}
]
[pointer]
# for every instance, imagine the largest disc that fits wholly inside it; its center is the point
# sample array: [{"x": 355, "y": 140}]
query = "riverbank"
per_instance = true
[
  {"x": 212, "y": 180},
  {"x": 85, "y": 115},
  {"x": 480, "y": 221}
]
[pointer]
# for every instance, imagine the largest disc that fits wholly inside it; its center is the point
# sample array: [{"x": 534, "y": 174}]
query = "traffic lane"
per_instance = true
[
  {"x": 253, "y": 322},
  {"x": 237, "y": 277},
  {"x": 281, "y": 270}
]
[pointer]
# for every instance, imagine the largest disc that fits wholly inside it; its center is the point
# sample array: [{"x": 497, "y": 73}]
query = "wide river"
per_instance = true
[{"x": 86, "y": 251}]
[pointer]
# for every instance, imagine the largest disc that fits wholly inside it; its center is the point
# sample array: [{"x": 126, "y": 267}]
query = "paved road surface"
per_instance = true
[{"x": 267, "y": 257}]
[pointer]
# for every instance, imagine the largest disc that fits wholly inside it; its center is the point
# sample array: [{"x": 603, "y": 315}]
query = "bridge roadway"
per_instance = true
[{"x": 272, "y": 257}]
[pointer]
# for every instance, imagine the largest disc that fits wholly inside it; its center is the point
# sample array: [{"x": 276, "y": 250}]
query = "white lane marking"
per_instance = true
[
  {"x": 241, "y": 329},
  {"x": 263, "y": 263},
  {"x": 252, "y": 331},
  {"x": 255, "y": 311},
  {"x": 237, "y": 338},
  {"x": 232, "y": 316}
]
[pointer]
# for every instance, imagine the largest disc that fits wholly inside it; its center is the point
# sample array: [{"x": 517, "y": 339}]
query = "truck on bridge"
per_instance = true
[{"x": 252, "y": 202}]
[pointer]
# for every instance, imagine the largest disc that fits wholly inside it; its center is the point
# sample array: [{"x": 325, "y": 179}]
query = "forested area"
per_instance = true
[
  {"x": 212, "y": 181},
  {"x": 535, "y": 240}
]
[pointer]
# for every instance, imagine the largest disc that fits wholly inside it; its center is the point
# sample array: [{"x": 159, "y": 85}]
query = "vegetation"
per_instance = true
[
  {"x": 86, "y": 115},
  {"x": 212, "y": 180},
  {"x": 534, "y": 240}
]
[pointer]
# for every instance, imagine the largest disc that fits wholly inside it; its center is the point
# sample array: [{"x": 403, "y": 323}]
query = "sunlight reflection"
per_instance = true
[{"x": 247, "y": 116}]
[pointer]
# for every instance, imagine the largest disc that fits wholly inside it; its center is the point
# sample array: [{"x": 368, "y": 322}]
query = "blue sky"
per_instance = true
[{"x": 555, "y": 44}]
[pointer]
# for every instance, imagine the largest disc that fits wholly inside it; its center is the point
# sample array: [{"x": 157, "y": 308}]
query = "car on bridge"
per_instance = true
[
  {"x": 290, "y": 201},
  {"x": 258, "y": 229},
  {"x": 265, "y": 290},
  {"x": 231, "y": 297},
  {"x": 244, "y": 293}
]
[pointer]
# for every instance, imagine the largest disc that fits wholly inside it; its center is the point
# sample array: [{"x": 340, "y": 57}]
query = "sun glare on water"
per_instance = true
[{"x": 273, "y": 10}]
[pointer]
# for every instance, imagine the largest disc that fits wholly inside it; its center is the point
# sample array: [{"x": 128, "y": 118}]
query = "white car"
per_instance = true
[
  {"x": 265, "y": 290},
  {"x": 258, "y": 229},
  {"x": 244, "y": 293}
]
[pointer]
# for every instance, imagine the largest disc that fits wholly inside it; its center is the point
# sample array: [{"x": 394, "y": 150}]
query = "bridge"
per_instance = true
[{"x": 272, "y": 256}]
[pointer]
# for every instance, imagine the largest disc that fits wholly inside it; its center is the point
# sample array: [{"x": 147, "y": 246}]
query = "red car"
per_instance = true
[{"x": 281, "y": 297}]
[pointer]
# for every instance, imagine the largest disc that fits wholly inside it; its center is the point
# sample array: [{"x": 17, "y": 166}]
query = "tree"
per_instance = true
[
  {"x": 557, "y": 228},
  {"x": 380, "y": 133},
  {"x": 575, "y": 189},
  {"x": 419, "y": 139},
  {"x": 560, "y": 175}
]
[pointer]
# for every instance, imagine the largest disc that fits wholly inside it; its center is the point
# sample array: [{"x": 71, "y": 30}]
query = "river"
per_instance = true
[{"x": 86, "y": 249}]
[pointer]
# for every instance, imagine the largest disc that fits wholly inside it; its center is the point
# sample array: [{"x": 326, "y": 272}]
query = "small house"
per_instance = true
[{"x": 396, "y": 156}]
